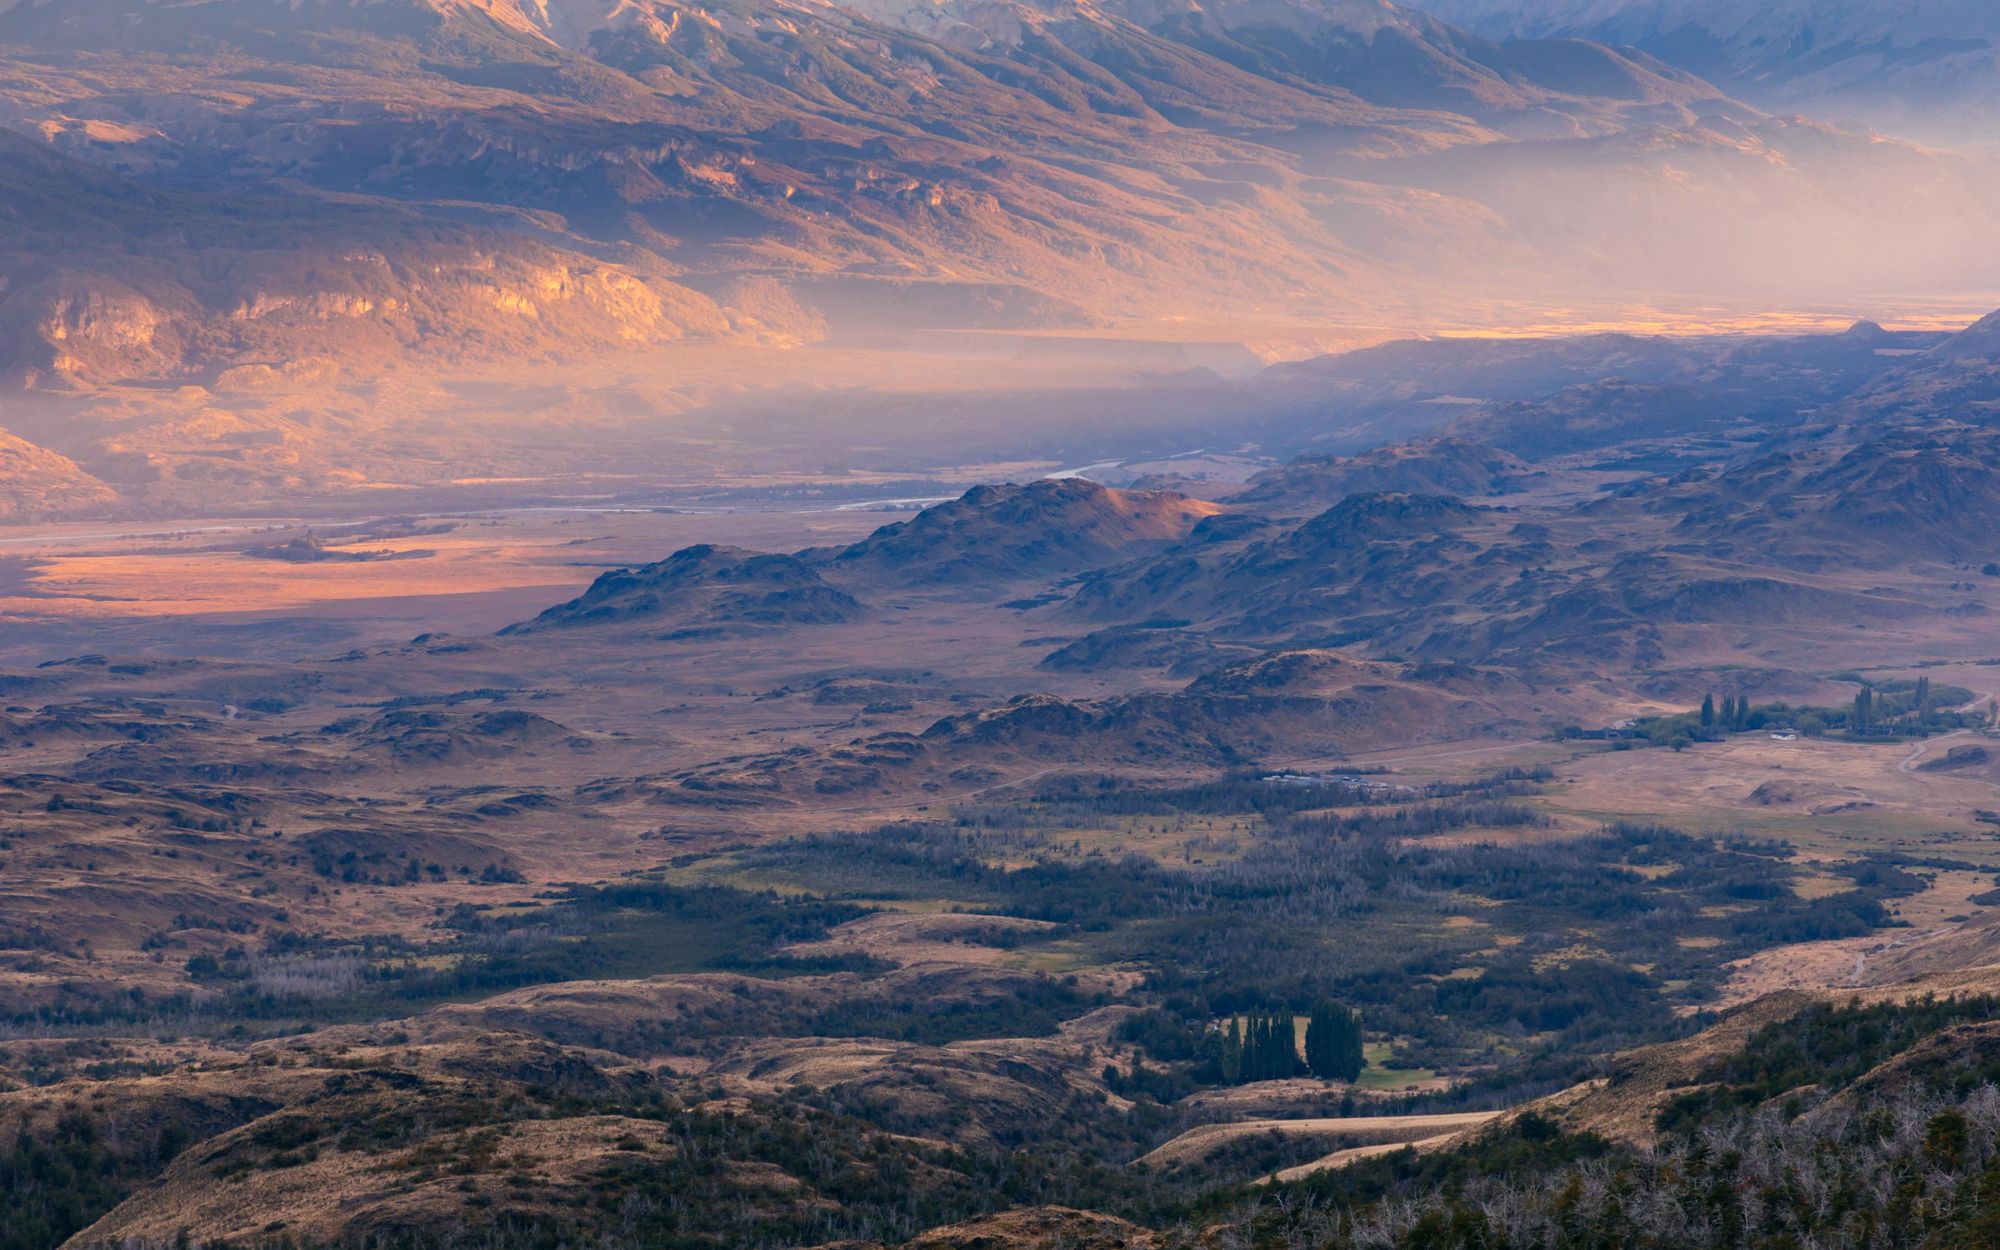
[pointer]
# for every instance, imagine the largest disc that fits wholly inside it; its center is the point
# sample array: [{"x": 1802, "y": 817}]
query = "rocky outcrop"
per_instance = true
[
  {"x": 704, "y": 591},
  {"x": 996, "y": 534}
]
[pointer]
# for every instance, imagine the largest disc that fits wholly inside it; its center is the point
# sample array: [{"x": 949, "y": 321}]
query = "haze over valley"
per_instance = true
[
  {"x": 261, "y": 255},
  {"x": 958, "y": 624}
]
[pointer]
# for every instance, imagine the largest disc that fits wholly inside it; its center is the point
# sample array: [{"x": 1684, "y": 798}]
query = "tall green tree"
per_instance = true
[
  {"x": 1270, "y": 1047},
  {"x": 1321, "y": 1025},
  {"x": 1708, "y": 711},
  {"x": 1333, "y": 1042}
]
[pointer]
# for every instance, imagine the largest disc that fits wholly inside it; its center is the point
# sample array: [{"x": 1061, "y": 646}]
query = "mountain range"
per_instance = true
[
  {"x": 1929, "y": 69},
  {"x": 590, "y": 176}
]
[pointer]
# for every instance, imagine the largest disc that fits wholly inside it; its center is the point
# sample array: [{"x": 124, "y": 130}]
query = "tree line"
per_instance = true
[
  {"x": 1880, "y": 709},
  {"x": 1263, "y": 1046}
]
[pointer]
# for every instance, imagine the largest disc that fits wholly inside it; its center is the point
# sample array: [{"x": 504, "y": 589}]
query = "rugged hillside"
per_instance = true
[
  {"x": 1605, "y": 414},
  {"x": 997, "y": 534},
  {"x": 274, "y": 281},
  {"x": 1364, "y": 554},
  {"x": 408, "y": 737},
  {"x": 1378, "y": 52},
  {"x": 1277, "y": 707},
  {"x": 1454, "y": 467},
  {"x": 1957, "y": 379},
  {"x": 1915, "y": 494},
  {"x": 308, "y": 1134},
  {"x": 1549, "y": 396},
  {"x": 1267, "y": 709},
  {"x": 1658, "y": 571},
  {"x": 42, "y": 483},
  {"x": 1889, "y": 1095},
  {"x": 703, "y": 592}
]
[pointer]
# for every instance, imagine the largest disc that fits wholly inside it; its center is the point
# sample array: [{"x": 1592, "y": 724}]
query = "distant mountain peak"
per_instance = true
[{"x": 1924, "y": 69}]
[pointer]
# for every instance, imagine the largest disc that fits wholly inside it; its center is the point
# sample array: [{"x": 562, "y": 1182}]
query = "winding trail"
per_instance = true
[{"x": 1908, "y": 764}]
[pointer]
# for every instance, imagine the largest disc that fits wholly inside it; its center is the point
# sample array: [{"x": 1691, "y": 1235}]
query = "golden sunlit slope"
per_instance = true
[
  {"x": 40, "y": 482},
  {"x": 199, "y": 279}
]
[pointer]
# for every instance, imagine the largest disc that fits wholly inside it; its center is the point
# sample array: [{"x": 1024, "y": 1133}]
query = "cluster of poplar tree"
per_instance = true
[
  {"x": 1263, "y": 1046},
  {"x": 1333, "y": 1042},
  {"x": 1732, "y": 717},
  {"x": 1871, "y": 710}
]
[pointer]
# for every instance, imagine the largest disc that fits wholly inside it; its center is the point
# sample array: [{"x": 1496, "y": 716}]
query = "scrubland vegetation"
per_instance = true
[{"x": 1446, "y": 927}]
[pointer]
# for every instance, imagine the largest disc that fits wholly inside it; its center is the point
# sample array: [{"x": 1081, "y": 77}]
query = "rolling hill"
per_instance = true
[
  {"x": 995, "y": 534},
  {"x": 703, "y": 591}
]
